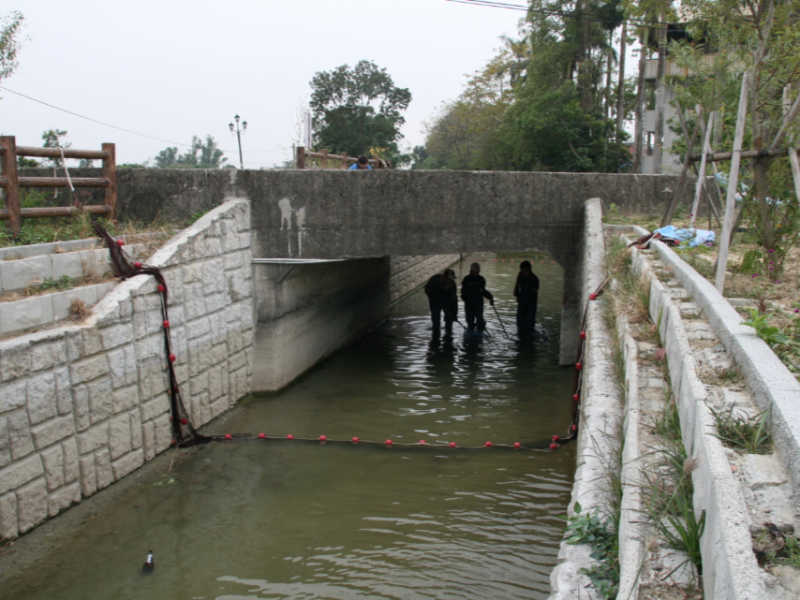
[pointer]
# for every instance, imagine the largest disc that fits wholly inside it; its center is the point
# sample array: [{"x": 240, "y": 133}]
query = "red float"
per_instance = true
[
  {"x": 228, "y": 436},
  {"x": 576, "y": 397},
  {"x": 262, "y": 435},
  {"x": 592, "y": 296},
  {"x": 556, "y": 438},
  {"x": 161, "y": 288},
  {"x": 184, "y": 421},
  {"x": 166, "y": 324},
  {"x": 137, "y": 264},
  {"x": 355, "y": 440},
  {"x": 452, "y": 444},
  {"x": 517, "y": 445},
  {"x": 488, "y": 444},
  {"x": 553, "y": 446},
  {"x": 172, "y": 358},
  {"x": 290, "y": 437},
  {"x": 574, "y": 427},
  {"x": 323, "y": 438},
  {"x": 578, "y": 366},
  {"x": 120, "y": 243},
  {"x": 422, "y": 442},
  {"x": 583, "y": 335},
  {"x": 388, "y": 442}
]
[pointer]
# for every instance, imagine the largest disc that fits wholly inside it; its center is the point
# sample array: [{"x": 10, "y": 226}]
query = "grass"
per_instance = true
[
  {"x": 601, "y": 535},
  {"x": 789, "y": 555},
  {"x": 74, "y": 227},
  {"x": 743, "y": 432}
]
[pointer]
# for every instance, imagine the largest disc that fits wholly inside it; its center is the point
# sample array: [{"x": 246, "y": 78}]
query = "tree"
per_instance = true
[
  {"x": 210, "y": 156},
  {"x": 357, "y": 109},
  {"x": 52, "y": 139},
  {"x": 761, "y": 37},
  {"x": 10, "y": 27}
]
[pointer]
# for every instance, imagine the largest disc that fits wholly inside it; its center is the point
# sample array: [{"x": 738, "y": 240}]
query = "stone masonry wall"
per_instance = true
[
  {"x": 81, "y": 406},
  {"x": 407, "y": 273}
]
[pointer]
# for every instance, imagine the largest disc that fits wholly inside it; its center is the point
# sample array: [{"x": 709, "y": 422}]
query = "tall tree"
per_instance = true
[
  {"x": 53, "y": 139},
  {"x": 358, "y": 109}
]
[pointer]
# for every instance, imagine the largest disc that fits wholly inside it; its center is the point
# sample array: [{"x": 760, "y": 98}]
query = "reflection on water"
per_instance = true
[{"x": 297, "y": 520}]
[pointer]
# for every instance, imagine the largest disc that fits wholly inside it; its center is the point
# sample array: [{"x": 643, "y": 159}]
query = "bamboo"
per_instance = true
[
  {"x": 62, "y": 182},
  {"x": 720, "y": 156},
  {"x": 9, "y": 163},
  {"x": 701, "y": 176},
  {"x": 57, "y": 211},
  {"x": 733, "y": 184},
  {"x": 623, "y": 44}
]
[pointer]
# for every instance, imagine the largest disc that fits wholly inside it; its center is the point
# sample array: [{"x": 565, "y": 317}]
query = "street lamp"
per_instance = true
[{"x": 239, "y": 136}]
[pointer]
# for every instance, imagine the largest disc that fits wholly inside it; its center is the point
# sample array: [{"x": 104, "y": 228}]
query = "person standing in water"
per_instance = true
[
  {"x": 473, "y": 291},
  {"x": 442, "y": 297},
  {"x": 526, "y": 291}
]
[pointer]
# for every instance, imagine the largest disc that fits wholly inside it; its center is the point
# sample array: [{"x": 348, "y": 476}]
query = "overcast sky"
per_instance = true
[{"x": 172, "y": 69}]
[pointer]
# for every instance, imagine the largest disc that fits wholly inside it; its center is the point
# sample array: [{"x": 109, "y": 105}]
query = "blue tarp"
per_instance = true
[{"x": 694, "y": 237}]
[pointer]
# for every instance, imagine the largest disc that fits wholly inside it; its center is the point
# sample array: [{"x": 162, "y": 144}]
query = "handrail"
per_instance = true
[{"x": 11, "y": 182}]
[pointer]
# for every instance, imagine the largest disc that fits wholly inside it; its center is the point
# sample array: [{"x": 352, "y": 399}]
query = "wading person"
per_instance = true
[
  {"x": 442, "y": 297},
  {"x": 473, "y": 291},
  {"x": 526, "y": 291},
  {"x": 363, "y": 163}
]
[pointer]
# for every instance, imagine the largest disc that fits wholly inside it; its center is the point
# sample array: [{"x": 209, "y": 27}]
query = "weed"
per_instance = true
[
  {"x": 784, "y": 341},
  {"x": 78, "y": 311},
  {"x": 789, "y": 555},
  {"x": 602, "y": 536},
  {"x": 668, "y": 423},
  {"x": 742, "y": 432},
  {"x": 60, "y": 284}
]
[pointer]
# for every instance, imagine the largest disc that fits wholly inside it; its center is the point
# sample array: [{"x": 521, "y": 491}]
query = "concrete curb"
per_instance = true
[
  {"x": 730, "y": 570},
  {"x": 772, "y": 384}
]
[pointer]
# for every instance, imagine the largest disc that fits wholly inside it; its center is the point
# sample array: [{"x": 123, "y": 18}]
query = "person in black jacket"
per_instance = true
[
  {"x": 441, "y": 293},
  {"x": 526, "y": 290},
  {"x": 473, "y": 291}
]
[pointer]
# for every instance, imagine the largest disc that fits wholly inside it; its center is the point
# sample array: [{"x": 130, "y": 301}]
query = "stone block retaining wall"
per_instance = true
[
  {"x": 407, "y": 273},
  {"x": 82, "y": 406}
]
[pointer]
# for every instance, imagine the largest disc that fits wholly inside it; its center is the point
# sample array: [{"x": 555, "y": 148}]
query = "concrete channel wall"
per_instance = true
[
  {"x": 601, "y": 417},
  {"x": 81, "y": 406}
]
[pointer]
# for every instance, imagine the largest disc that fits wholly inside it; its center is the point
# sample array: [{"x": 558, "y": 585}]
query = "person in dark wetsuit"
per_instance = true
[
  {"x": 473, "y": 291},
  {"x": 442, "y": 297},
  {"x": 526, "y": 291}
]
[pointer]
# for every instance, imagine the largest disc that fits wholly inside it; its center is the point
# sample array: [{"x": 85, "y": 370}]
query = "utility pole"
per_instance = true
[{"x": 239, "y": 136}]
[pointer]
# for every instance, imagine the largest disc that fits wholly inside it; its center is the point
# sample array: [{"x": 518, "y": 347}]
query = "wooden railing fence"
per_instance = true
[
  {"x": 11, "y": 182},
  {"x": 324, "y": 156}
]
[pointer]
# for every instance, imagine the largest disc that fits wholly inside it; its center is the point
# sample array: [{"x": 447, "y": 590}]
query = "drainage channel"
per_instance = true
[{"x": 278, "y": 518}]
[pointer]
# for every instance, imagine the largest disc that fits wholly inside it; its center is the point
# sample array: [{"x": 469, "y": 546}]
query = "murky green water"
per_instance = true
[{"x": 305, "y": 520}]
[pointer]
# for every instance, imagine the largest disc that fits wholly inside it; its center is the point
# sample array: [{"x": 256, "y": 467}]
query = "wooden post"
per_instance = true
[
  {"x": 667, "y": 219},
  {"x": 793, "y": 160},
  {"x": 661, "y": 96},
  {"x": 9, "y": 162},
  {"x": 301, "y": 157},
  {"x": 623, "y": 44},
  {"x": 324, "y": 162},
  {"x": 638, "y": 147},
  {"x": 701, "y": 175},
  {"x": 344, "y": 164},
  {"x": 733, "y": 183},
  {"x": 110, "y": 173}
]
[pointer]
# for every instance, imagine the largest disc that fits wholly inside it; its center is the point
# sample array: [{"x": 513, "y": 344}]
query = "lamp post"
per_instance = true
[{"x": 239, "y": 136}]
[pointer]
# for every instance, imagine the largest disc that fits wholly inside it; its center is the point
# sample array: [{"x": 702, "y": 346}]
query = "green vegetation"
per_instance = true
[
  {"x": 743, "y": 432},
  {"x": 201, "y": 155},
  {"x": 789, "y": 555},
  {"x": 358, "y": 111},
  {"x": 61, "y": 284},
  {"x": 602, "y": 536},
  {"x": 668, "y": 492},
  {"x": 75, "y": 227},
  {"x": 784, "y": 341},
  {"x": 10, "y": 27}
]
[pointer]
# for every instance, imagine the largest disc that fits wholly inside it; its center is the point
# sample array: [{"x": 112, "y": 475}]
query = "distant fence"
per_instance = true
[
  {"x": 11, "y": 182},
  {"x": 324, "y": 156}
]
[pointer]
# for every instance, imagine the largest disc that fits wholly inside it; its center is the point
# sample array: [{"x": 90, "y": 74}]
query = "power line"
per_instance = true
[
  {"x": 69, "y": 112},
  {"x": 586, "y": 16}
]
